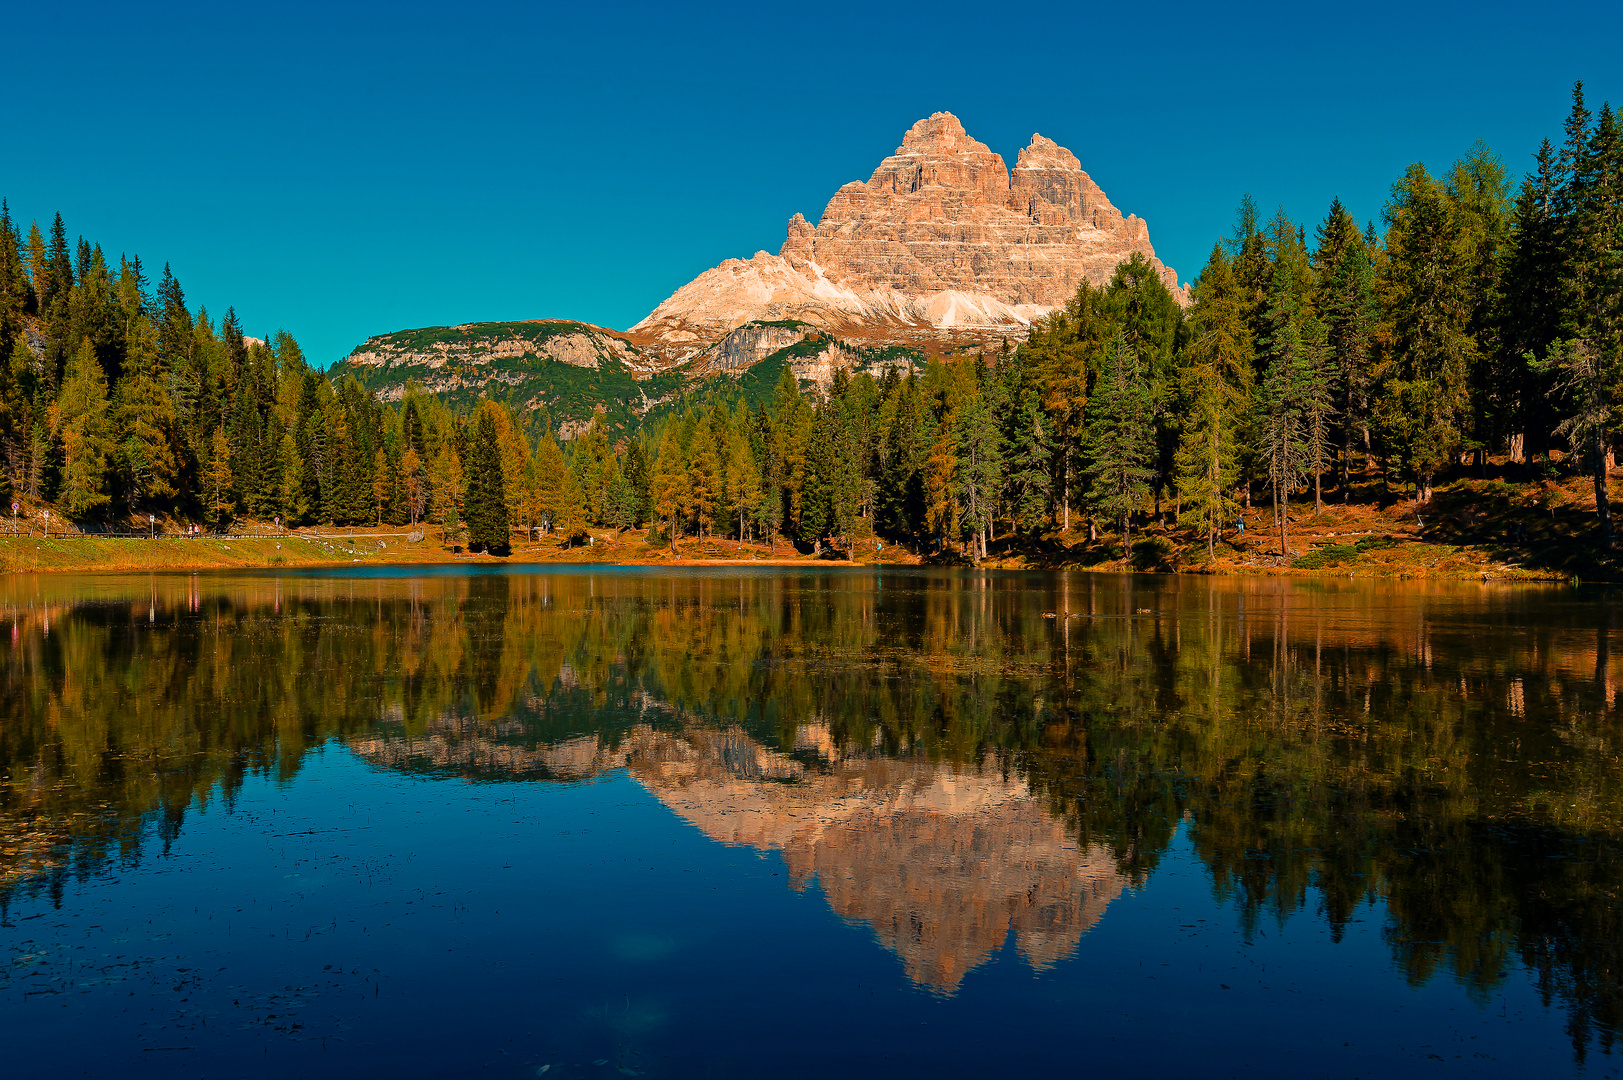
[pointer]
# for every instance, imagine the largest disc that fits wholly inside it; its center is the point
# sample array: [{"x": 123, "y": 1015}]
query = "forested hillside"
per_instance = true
[{"x": 1478, "y": 325}]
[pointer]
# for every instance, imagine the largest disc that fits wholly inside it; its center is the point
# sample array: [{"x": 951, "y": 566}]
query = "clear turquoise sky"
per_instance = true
[{"x": 344, "y": 170}]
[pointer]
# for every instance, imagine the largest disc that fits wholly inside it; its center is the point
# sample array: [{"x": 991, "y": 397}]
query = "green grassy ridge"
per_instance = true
[
  {"x": 535, "y": 331},
  {"x": 568, "y": 392},
  {"x": 573, "y": 393}
]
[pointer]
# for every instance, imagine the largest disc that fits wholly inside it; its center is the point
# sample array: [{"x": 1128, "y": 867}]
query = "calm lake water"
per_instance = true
[{"x": 617, "y": 822}]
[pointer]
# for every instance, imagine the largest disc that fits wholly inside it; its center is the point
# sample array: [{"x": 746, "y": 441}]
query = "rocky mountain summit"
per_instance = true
[
  {"x": 942, "y": 238},
  {"x": 942, "y": 245}
]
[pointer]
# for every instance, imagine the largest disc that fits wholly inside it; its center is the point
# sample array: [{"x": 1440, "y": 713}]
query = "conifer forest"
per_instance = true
[{"x": 1475, "y": 329}]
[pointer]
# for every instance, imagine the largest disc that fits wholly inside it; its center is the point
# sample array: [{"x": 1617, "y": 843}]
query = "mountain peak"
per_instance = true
[{"x": 941, "y": 238}]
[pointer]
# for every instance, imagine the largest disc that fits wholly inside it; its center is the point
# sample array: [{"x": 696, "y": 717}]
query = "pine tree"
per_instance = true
[
  {"x": 705, "y": 479},
  {"x": 620, "y": 507},
  {"x": 978, "y": 469},
  {"x": 940, "y": 509},
  {"x": 1581, "y": 372},
  {"x": 411, "y": 477},
  {"x": 1346, "y": 302},
  {"x": 291, "y": 503},
  {"x": 145, "y": 415},
  {"x": 485, "y": 504},
  {"x": 1216, "y": 387},
  {"x": 1293, "y": 406},
  {"x": 549, "y": 479},
  {"x": 1120, "y": 441},
  {"x": 219, "y": 484},
  {"x": 572, "y": 510},
  {"x": 380, "y": 481},
  {"x": 1429, "y": 309},
  {"x": 669, "y": 483},
  {"x": 636, "y": 474},
  {"x": 820, "y": 503},
  {"x": 55, "y": 301},
  {"x": 81, "y": 421},
  {"x": 446, "y": 480},
  {"x": 743, "y": 481},
  {"x": 1031, "y": 453}
]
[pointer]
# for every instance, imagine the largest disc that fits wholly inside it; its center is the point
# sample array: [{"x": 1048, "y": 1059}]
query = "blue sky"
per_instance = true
[{"x": 343, "y": 170}]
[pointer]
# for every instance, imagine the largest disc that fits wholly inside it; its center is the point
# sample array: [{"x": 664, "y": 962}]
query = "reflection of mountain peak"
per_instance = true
[{"x": 942, "y": 862}]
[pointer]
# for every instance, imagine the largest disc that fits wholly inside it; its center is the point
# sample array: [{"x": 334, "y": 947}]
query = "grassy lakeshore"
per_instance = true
[
  {"x": 1388, "y": 555},
  {"x": 80, "y": 554},
  {"x": 1542, "y": 531}
]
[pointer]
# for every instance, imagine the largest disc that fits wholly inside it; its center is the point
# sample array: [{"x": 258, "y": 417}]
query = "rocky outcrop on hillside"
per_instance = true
[
  {"x": 443, "y": 359},
  {"x": 942, "y": 239},
  {"x": 575, "y": 370}
]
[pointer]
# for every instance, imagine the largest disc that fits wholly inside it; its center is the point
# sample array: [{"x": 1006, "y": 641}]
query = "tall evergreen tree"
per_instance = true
[
  {"x": 82, "y": 423},
  {"x": 485, "y": 503},
  {"x": 1120, "y": 444},
  {"x": 978, "y": 468},
  {"x": 669, "y": 484},
  {"x": 1346, "y": 303},
  {"x": 1216, "y": 387}
]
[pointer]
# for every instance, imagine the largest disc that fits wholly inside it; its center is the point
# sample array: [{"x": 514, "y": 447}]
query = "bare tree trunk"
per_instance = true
[
  {"x": 1281, "y": 504},
  {"x": 1346, "y": 460},
  {"x": 1603, "y": 505}
]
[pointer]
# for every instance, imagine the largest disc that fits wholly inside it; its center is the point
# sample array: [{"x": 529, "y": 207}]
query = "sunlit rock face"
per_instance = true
[
  {"x": 942, "y": 237},
  {"x": 942, "y": 862}
]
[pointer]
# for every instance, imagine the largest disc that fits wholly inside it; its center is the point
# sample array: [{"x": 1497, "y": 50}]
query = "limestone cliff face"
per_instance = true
[{"x": 943, "y": 237}]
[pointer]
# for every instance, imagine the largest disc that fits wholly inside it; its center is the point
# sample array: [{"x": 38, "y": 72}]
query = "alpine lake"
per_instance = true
[{"x": 612, "y": 821}]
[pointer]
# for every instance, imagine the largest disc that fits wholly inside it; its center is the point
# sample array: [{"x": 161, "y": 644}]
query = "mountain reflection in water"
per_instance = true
[
  {"x": 949, "y": 756},
  {"x": 942, "y": 861}
]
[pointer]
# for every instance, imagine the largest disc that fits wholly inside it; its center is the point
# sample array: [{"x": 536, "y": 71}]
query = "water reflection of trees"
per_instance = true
[{"x": 1449, "y": 751}]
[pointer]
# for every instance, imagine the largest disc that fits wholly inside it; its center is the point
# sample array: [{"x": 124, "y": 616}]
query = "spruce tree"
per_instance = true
[
  {"x": 291, "y": 503},
  {"x": 743, "y": 481},
  {"x": 484, "y": 504},
  {"x": 572, "y": 509},
  {"x": 219, "y": 483},
  {"x": 81, "y": 420},
  {"x": 1582, "y": 374},
  {"x": 1216, "y": 387},
  {"x": 978, "y": 469},
  {"x": 1429, "y": 309},
  {"x": 1120, "y": 441},
  {"x": 446, "y": 483},
  {"x": 146, "y": 416},
  {"x": 1346, "y": 302},
  {"x": 1030, "y": 461},
  {"x": 549, "y": 479},
  {"x": 705, "y": 478},
  {"x": 669, "y": 484}
]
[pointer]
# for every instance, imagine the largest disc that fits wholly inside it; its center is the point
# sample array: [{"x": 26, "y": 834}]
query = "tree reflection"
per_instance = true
[{"x": 950, "y": 757}]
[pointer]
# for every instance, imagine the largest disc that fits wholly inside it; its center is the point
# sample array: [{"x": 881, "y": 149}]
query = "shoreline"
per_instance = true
[{"x": 1411, "y": 559}]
